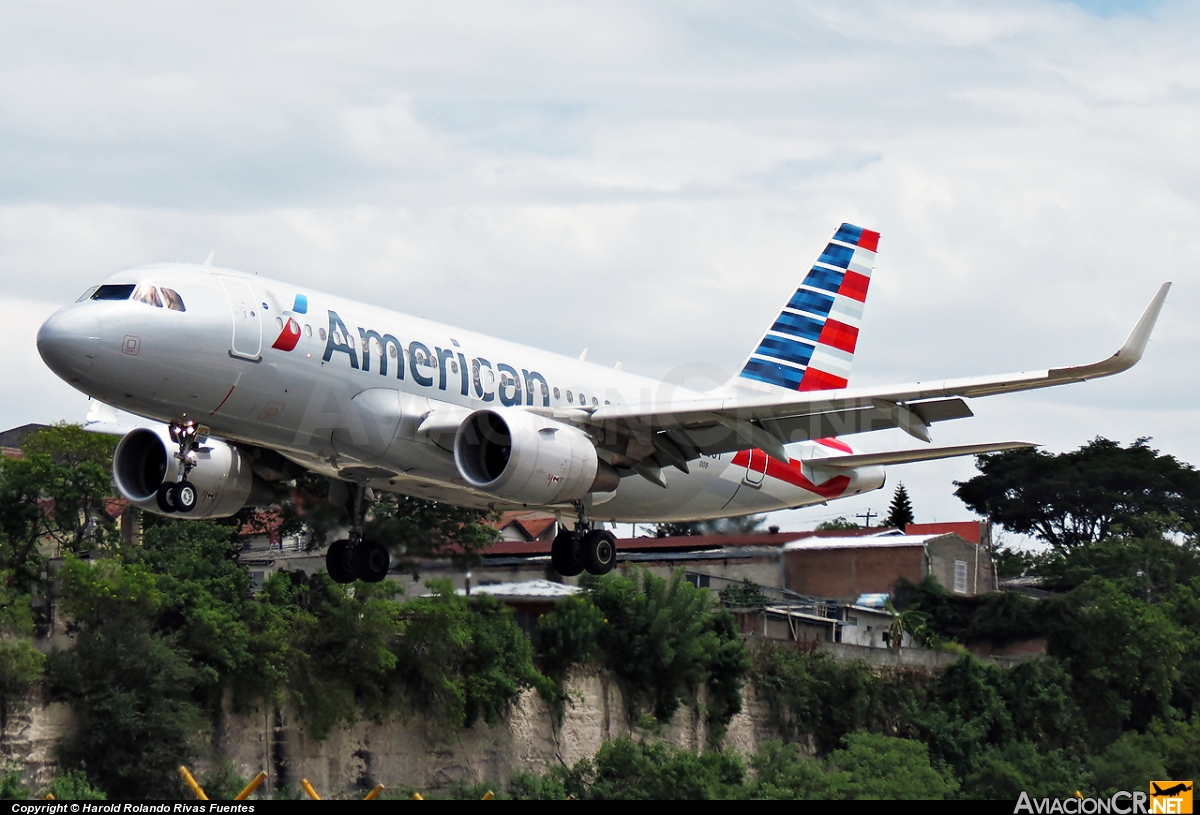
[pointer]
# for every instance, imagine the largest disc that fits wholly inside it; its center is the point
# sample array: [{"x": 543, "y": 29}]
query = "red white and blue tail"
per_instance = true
[{"x": 810, "y": 346}]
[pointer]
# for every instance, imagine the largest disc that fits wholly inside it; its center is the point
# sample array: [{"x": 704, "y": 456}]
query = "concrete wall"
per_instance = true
[{"x": 944, "y": 551}]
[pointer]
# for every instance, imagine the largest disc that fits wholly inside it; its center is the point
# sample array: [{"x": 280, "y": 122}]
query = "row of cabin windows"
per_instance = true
[
  {"x": 145, "y": 293},
  {"x": 150, "y": 295}
]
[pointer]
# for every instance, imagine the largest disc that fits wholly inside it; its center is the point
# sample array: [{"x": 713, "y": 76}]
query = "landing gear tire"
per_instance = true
[
  {"x": 337, "y": 562},
  {"x": 372, "y": 561},
  {"x": 599, "y": 551},
  {"x": 564, "y": 556},
  {"x": 165, "y": 498},
  {"x": 184, "y": 496}
]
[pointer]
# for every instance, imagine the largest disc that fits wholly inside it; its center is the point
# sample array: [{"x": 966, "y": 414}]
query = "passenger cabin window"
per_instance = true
[
  {"x": 148, "y": 295},
  {"x": 174, "y": 301},
  {"x": 120, "y": 291}
]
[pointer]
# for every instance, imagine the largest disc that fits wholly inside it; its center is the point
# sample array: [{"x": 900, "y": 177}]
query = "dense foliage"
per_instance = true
[
  {"x": 165, "y": 632},
  {"x": 1087, "y": 495}
]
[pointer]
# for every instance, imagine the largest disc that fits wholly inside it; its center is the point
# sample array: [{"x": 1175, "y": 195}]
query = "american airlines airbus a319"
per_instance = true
[{"x": 254, "y": 381}]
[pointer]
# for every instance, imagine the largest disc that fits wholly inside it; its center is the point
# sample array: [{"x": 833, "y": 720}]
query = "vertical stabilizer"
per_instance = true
[{"x": 810, "y": 345}]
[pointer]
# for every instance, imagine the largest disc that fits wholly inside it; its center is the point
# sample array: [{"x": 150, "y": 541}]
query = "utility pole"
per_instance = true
[{"x": 867, "y": 516}]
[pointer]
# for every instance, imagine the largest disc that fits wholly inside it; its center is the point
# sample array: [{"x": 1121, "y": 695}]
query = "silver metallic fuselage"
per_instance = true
[{"x": 365, "y": 393}]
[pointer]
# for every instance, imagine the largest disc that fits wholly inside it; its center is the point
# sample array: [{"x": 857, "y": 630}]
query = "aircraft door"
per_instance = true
[
  {"x": 756, "y": 469},
  {"x": 247, "y": 319}
]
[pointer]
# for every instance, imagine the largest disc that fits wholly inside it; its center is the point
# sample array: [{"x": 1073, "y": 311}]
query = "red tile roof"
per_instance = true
[{"x": 971, "y": 530}]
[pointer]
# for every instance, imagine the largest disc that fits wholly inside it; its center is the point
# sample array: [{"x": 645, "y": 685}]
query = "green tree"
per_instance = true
[
  {"x": 721, "y": 526},
  {"x": 129, "y": 687},
  {"x": 1003, "y": 772},
  {"x": 781, "y": 773},
  {"x": 900, "y": 513},
  {"x": 663, "y": 639},
  {"x": 1122, "y": 653},
  {"x": 838, "y": 524},
  {"x": 885, "y": 768},
  {"x": 627, "y": 770},
  {"x": 56, "y": 492},
  {"x": 73, "y": 785},
  {"x": 1085, "y": 495}
]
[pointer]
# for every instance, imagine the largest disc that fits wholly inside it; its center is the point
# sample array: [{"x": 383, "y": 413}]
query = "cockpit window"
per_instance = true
[
  {"x": 147, "y": 294},
  {"x": 174, "y": 301},
  {"x": 87, "y": 295},
  {"x": 119, "y": 291}
]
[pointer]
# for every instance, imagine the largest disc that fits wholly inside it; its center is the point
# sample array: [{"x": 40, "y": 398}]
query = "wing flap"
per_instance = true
[{"x": 907, "y": 456}]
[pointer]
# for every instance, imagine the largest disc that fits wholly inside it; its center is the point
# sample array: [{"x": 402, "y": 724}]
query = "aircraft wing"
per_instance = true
[{"x": 676, "y": 432}]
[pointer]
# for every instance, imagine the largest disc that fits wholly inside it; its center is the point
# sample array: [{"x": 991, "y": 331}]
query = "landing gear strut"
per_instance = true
[
  {"x": 357, "y": 558},
  {"x": 582, "y": 548},
  {"x": 181, "y": 496}
]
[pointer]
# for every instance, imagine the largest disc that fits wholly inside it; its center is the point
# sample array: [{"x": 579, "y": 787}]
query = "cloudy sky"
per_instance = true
[{"x": 647, "y": 180}]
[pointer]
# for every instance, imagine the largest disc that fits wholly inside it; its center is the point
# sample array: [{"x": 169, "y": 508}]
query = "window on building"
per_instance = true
[{"x": 960, "y": 576}]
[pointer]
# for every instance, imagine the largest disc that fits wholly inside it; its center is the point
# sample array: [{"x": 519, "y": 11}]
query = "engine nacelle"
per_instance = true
[
  {"x": 145, "y": 458},
  {"x": 529, "y": 459}
]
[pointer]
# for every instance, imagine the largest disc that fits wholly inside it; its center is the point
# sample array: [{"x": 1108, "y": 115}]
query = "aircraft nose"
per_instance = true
[{"x": 68, "y": 341}]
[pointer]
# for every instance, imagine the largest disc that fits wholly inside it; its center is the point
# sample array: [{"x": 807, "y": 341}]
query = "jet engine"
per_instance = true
[
  {"x": 529, "y": 459},
  {"x": 145, "y": 459}
]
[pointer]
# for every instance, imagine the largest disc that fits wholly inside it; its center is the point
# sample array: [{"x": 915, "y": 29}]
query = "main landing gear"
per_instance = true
[
  {"x": 181, "y": 496},
  {"x": 583, "y": 548},
  {"x": 357, "y": 558}
]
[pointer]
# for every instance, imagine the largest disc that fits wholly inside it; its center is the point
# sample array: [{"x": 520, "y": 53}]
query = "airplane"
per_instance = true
[
  {"x": 248, "y": 381},
  {"x": 1170, "y": 792}
]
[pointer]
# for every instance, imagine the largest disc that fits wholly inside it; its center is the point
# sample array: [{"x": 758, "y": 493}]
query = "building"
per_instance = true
[{"x": 845, "y": 568}]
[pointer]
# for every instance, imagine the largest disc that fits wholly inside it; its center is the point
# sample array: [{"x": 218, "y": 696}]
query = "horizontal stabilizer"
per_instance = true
[{"x": 906, "y": 456}]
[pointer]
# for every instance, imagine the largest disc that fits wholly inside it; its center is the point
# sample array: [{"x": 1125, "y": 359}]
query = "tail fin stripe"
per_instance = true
[
  {"x": 855, "y": 286},
  {"x": 815, "y": 380},
  {"x": 822, "y": 278},
  {"x": 862, "y": 263},
  {"x": 797, "y": 353},
  {"x": 795, "y": 325},
  {"x": 811, "y": 301},
  {"x": 835, "y": 255},
  {"x": 848, "y": 233},
  {"x": 810, "y": 345},
  {"x": 773, "y": 374},
  {"x": 840, "y": 336}
]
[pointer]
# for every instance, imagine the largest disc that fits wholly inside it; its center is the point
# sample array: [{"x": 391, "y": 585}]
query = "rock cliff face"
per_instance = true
[{"x": 407, "y": 753}]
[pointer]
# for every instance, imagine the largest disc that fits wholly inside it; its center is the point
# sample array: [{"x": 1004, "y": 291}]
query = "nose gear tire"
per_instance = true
[
  {"x": 164, "y": 498},
  {"x": 184, "y": 496}
]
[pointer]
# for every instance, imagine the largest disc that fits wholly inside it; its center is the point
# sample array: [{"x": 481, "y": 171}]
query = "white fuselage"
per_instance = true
[{"x": 359, "y": 392}]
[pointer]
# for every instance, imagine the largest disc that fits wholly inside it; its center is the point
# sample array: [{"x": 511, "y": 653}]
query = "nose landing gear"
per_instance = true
[{"x": 182, "y": 496}]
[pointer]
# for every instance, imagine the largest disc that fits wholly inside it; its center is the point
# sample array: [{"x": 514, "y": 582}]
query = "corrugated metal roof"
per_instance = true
[
  {"x": 532, "y": 589},
  {"x": 859, "y": 543}
]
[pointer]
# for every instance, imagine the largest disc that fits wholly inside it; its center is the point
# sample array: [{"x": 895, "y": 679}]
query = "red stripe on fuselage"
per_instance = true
[
  {"x": 836, "y": 444},
  {"x": 792, "y": 474}
]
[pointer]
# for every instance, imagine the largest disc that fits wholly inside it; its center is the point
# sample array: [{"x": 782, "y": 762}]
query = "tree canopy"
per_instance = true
[{"x": 1086, "y": 495}]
